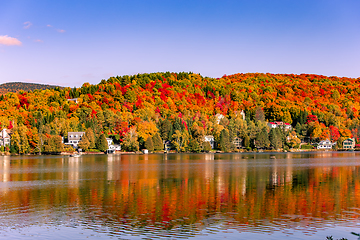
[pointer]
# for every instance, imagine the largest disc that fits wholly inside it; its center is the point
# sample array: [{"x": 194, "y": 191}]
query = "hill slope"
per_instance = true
[
  {"x": 184, "y": 107},
  {"x": 18, "y": 86}
]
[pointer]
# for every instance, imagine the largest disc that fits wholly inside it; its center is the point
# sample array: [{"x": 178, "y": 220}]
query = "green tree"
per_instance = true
[
  {"x": 262, "y": 139},
  {"x": 225, "y": 141},
  {"x": 246, "y": 141},
  {"x": 149, "y": 145},
  {"x": 275, "y": 138},
  {"x": 206, "y": 146},
  {"x": 194, "y": 146},
  {"x": 165, "y": 129},
  {"x": 101, "y": 143},
  {"x": 158, "y": 143}
]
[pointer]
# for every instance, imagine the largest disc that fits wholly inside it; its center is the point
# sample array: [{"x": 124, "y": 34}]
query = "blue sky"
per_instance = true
[{"x": 68, "y": 43}]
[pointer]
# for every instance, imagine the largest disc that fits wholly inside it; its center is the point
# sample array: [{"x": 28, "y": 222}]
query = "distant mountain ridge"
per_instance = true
[{"x": 18, "y": 86}]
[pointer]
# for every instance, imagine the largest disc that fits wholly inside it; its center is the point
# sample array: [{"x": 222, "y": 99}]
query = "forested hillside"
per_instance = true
[
  {"x": 141, "y": 110},
  {"x": 21, "y": 86}
]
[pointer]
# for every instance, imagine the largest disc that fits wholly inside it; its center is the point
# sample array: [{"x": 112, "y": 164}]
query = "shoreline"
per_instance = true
[{"x": 174, "y": 152}]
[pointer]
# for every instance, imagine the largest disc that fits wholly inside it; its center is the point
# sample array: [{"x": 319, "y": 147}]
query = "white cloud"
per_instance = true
[
  {"x": 9, "y": 41},
  {"x": 38, "y": 40},
  {"x": 27, "y": 25},
  {"x": 48, "y": 25},
  {"x": 61, "y": 30}
]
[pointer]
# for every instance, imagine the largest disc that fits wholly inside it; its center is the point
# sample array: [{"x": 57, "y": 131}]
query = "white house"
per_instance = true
[
  {"x": 109, "y": 141},
  {"x": 75, "y": 100},
  {"x": 112, "y": 147},
  {"x": 74, "y": 138},
  {"x": 211, "y": 140},
  {"x": 325, "y": 144},
  {"x": 286, "y": 126},
  {"x": 219, "y": 117},
  {"x": 5, "y": 137}
]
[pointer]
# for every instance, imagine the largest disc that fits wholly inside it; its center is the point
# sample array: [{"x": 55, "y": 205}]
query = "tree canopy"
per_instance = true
[{"x": 180, "y": 107}]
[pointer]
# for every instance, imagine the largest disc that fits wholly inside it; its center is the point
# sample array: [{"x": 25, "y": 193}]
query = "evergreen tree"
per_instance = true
[
  {"x": 194, "y": 146},
  {"x": 149, "y": 145},
  {"x": 158, "y": 143},
  {"x": 225, "y": 140},
  {"x": 165, "y": 129},
  {"x": 275, "y": 138},
  {"x": 90, "y": 137},
  {"x": 101, "y": 143},
  {"x": 262, "y": 139},
  {"x": 206, "y": 146},
  {"x": 246, "y": 141},
  {"x": 303, "y": 117}
]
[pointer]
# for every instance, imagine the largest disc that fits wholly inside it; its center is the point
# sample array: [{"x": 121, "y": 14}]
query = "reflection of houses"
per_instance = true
[
  {"x": 237, "y": 142},
  {"x": 349, "y": 143},
  {"x": 283, "y": 125},
  {"x": 74, "y": 138},
  {"x": 325, "y": 144},
  {"x": 5, "y": 137},
  {"x": 211, "y": 140},
  {"x": 111, "y": 146}
]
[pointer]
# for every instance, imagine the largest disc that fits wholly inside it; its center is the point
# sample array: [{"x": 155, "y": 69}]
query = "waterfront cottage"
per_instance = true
[
  {"x": 349, "y": 143},
  {"x": 325, "y": 144},
  {"x": 74, "y": 138},
  {"x": 237, "y": 142},
  {"x": 112, "y": 147},
  {"x": 5, "y": 137},
  {"x": 167, "y": 145},
  {"x": 211, "y": 140}
]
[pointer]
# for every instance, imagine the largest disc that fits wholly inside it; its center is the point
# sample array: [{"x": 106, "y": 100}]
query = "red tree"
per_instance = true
[{"x": 334, "y": 133}]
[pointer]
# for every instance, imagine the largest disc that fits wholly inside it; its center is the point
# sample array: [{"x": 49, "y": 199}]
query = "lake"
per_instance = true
[{"x": 181, "y": 196}]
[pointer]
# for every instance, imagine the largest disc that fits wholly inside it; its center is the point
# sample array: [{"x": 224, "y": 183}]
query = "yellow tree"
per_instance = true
[{"x": 146, "y": 129}]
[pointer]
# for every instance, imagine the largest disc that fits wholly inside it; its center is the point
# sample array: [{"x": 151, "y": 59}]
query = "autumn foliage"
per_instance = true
[{"x": 316, "y": 106}]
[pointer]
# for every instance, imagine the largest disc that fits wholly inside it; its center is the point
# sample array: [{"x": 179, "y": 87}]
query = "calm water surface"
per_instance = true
[{"x": 174, "y": 196}]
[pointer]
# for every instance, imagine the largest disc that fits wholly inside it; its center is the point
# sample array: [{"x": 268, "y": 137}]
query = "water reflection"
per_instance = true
[{"x": 182, "y": 195}]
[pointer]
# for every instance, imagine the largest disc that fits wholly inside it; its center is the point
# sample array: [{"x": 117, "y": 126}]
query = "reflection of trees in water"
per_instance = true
[{"x": 182, "y": 195}]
